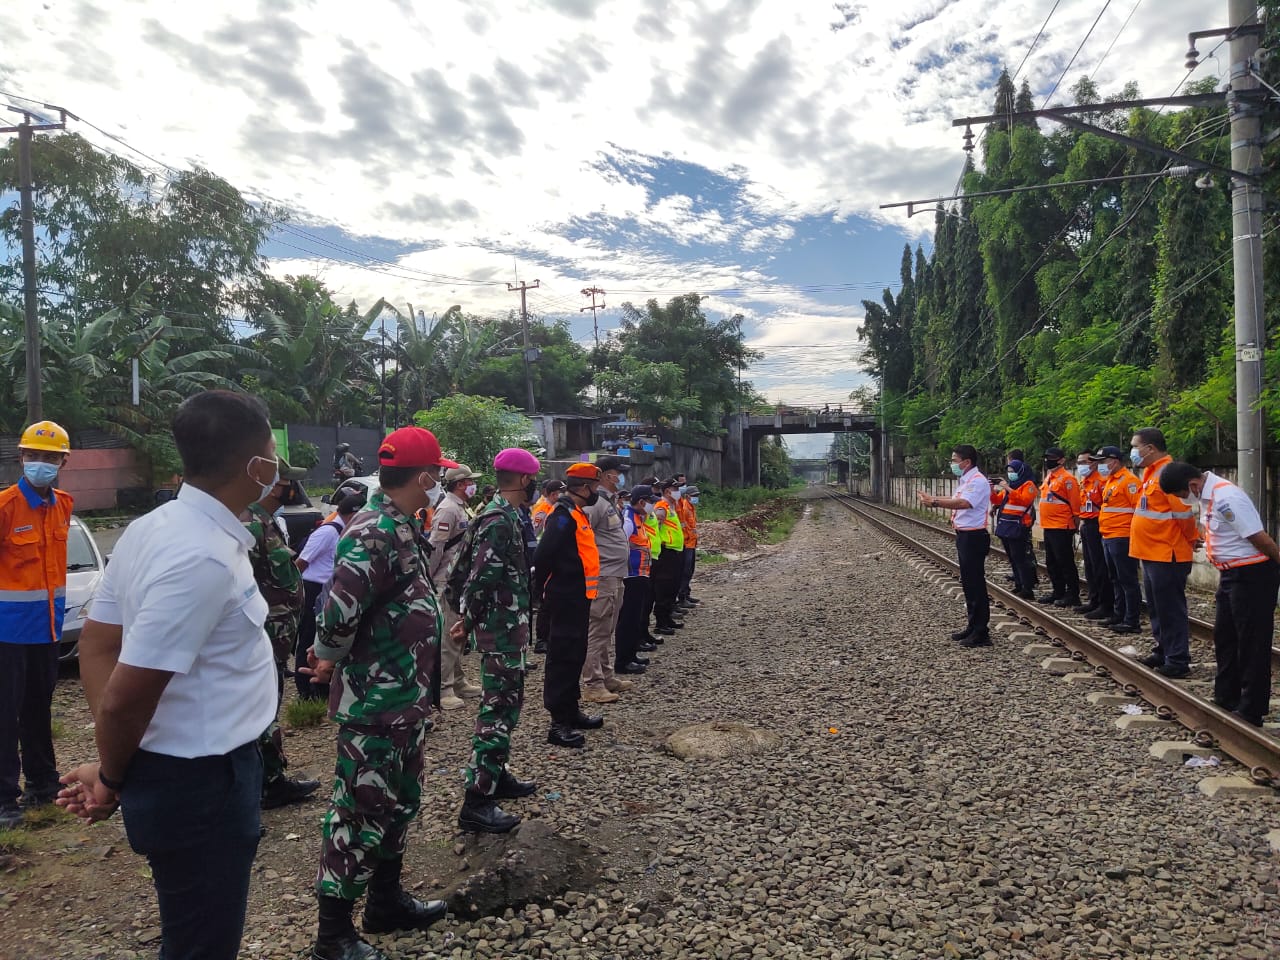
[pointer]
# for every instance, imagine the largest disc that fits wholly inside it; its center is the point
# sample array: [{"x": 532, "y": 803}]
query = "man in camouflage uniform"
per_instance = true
[
  {"x": 281, "y": 586},
  {"x": 491, "y": 591},
  {"x": 378, "y": 638}
]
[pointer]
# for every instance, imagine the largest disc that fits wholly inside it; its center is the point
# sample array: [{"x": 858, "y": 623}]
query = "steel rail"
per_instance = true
[{"x": 1210, "y": 724}]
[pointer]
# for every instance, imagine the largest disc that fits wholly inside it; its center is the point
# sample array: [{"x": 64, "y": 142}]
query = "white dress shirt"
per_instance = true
[
  {"x": 181, "y": 585},
  {"x": 976, "y": 489},
  {"x": 1230, "y": 519},
  {"x": 320, "y": 550}
]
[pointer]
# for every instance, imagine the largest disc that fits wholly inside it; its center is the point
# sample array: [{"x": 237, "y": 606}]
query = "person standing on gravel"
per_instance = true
[
  {"x": 1014, "y": 499},
  {"x": 667, "y": 568},
  {"x": 494, "y": 604},
  {"x": 1248, "y": 562},
  {"x": 1101, "y": 603},
  {"x": 1163, "y": 537},
  {"x": 1115, "y": 518},
  {"x": 448, "y": 527},
  {"x": 599, "y": 685},
  {"x": 973, "y": 542},
  {"x": 633, "y": 618},
  {"x": 687, "y": 508},
  {"x": 34, "y": 521},
  {"x": 1059, "y": 507},
  {"x": 378, "y": 641},
  {"x": 280, "y": 584},
  {"x": 566, "y": 577}
]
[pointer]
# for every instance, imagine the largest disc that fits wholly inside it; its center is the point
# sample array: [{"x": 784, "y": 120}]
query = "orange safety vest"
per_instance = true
[
  {"x": 1208, "y": 538},
  {"x": 588, "y": 552},
  {"x": 538, "y": 513},
  {"x": 1091, "y": 488},
  {"x": 688, "y": 515},
  {"x": 1059, "y": 501},
  {"x": 33, "y": 563},
  {"x": 1119, "y": 498},
  {"x": 1164, "y": 528},
  {"x": 1016, "y": 504}
]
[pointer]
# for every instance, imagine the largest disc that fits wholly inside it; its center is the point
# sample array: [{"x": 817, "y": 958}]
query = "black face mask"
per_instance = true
[
  {"x": 592, "y": 500},
  {"x": 531, "y": 490},
  {"x": 1052, "y": 464}
]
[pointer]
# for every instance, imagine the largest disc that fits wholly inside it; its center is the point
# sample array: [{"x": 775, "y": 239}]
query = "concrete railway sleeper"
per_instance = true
[{"x": 1257, "y": 750}]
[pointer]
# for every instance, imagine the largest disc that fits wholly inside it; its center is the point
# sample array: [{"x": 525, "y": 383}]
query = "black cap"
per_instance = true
[
  {"x": 1055, "y": 453},
  {"x": 641, "y": 491},
  {"x": 609, "y": 463},
  {"x": 1107, "y": 453}
]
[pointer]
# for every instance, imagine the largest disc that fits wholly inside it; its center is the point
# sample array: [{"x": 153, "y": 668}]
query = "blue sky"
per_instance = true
[{"x": 737, "y": 148}]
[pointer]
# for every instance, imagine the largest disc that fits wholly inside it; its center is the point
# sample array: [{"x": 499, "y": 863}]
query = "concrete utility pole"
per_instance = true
[
  {"x": 27, "y": 219},
  {"x": 595, "y": 326},
  {"x": 530, "y": 354},
  {"x": 1246, "y": 231}
]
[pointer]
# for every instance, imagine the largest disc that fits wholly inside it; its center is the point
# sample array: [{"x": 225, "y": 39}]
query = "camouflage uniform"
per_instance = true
[
  {"x": 496, "y": 599},
  {"x": 280, "y": 584},
  {"x": 382, "y": 625}
]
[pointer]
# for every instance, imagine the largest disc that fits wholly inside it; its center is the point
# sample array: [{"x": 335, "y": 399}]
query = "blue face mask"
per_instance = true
[
  {"x": 1013, "y": 477},
  {"x": 957, "y": 470},
  {"x": 40, "y": 474},
  {"x": 1104, "y": 470},
  {"x": 1135, "y": 457},
  {"x": 694, "y": 501}
]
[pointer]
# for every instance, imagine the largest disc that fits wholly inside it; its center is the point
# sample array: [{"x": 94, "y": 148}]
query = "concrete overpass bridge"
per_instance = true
[{"x": 745, "y": 431}]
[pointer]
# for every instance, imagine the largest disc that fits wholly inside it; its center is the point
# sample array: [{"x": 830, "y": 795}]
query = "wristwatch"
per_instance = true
[{"x": 113, "y": 785}]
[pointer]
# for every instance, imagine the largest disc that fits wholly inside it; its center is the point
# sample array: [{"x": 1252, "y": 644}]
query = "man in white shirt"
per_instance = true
[
  {"x": 179, "y": 675},
  {"x": 1248, "y": 562},
  {"x": 973, "y": 542},
  {"x": 316, "y": 564}
]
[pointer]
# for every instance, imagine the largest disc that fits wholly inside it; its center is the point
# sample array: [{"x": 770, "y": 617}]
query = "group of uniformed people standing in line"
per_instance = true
[{"x": 1136, "y": 515}]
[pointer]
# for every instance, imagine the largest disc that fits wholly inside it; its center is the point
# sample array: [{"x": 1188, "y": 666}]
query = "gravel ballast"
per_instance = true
[{"x": 923, "y": 801}]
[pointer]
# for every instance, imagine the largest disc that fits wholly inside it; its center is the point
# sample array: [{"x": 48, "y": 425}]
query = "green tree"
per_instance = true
[
  {"x": 775, "y": 464},
  {"x": 560, "y": 373},
  {"x": 473, "y": 429}
]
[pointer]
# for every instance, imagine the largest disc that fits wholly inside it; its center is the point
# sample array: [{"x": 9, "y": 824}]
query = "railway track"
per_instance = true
[
  {"x": 1211, "y": 726},
  {"x": 1201, "y": 630}
]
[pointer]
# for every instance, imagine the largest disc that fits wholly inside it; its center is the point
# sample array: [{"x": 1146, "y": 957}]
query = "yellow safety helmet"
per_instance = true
[{"x": 45, "y": 435}]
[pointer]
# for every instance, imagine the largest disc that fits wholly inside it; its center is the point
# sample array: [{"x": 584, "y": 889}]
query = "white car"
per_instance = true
[{"x": 84, "y": 571}]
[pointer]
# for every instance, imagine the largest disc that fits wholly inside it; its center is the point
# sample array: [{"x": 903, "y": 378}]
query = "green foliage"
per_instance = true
[
  {"x": 473, "y": 429},
  {"x": 775, "y": 464},
  {"x": 781, "y": 524},
  {"x": 305, "y": 713},
  {"x": 303, "y": 454},
  {"x": 725, "y": 503}
]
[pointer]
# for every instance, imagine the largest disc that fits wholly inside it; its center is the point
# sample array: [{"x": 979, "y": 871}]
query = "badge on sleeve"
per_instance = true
[
  {"x": 1226, "y": 514},
  {"x": 1133, "y": 489}
]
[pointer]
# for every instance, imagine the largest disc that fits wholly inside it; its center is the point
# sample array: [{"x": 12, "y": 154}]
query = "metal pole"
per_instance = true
[
  {"x": 524, "y": 322},
  {"x": 382, "y": 376},
  {"x": 1246, "y": 231},
  {"x": 35, "y": 405}
]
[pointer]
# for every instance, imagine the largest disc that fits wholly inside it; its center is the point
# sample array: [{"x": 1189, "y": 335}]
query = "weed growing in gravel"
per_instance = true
[
  {"x": 709, "y": 559},
  {"x": 47, "y": 816},
  {"x": 58, "y": 728},
  {"x": 14, "y": 842},
  {"x": 780, "y": 525},
  {"x": 306, "y": 713},
  {"x": 730, "y": 502}
]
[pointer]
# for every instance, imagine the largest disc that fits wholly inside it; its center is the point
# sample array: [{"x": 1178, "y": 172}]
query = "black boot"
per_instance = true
[
  {"x": 389, "y": 907},
  {"x": 509, "y": 788},
  {"x": 337, "y": 938},
  {"x": 481, "y": 814},
  {"x": 563, "y": 735}
]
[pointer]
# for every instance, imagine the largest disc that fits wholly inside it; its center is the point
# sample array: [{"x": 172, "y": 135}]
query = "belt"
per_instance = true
[
  {"x": 972, "y": 529},
  {"x": 1246, "y": 562}
]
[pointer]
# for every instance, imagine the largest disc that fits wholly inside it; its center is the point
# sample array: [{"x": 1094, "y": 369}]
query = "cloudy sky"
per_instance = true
[{"x": 432, "y": 152}]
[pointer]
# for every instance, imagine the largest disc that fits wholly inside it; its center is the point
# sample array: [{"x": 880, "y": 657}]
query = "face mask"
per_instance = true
[
  {"x": 1104, "y": 470},
  {"x": 675, "y": 494},
  {"x": 268, "y": 487},
  {"x": 531, "y": 491},
  {"x": 957, "y": 470},
  {"x": 694, "y": 501},
  {"x": 1013, "y": 477},
  {"x": 648, "y": 509},
  {"x": 592, "y": 500},
  {"x": 40, "y": 474},
  {"x": 470, "y": 490},
  {"x": 1052, "y": 464},
  {"x": 622, "y": 480},
  {"x": 1135, "y": 457},
  {"x": 1082, "y": 471}
]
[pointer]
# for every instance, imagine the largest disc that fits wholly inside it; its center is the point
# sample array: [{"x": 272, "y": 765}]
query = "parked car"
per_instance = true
[
  {"x": 301, "y": 518},
  {"x": 84, "y": 571}
]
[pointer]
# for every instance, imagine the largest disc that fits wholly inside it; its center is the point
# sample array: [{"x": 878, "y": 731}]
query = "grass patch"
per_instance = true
[
  {"x": 730, "y": 502},
  {"x": 709, "y": 559},
  {"x": 306, "y": 713},
  {"x": 50, "y": 815},
  {"x": 781, "y": 524},
  {"x": 58, "y": 728},
  {"x": 13, "y": 842}
]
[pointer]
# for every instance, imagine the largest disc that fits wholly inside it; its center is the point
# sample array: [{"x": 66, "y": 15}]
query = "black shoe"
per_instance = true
[
  {"x": 1173, "y": 672},
  {"x": 337, "y": 938},
  {"x": 1067, "y": 602},
  {"x": 1098, "y": 613},
  {"x": 562, "y": 735},
  {"x": 1047, "y": 599},
  {"x": 509, "y": 788},
  {"x": 962, "y": 634},
  {"x": 585, "y": 722},
  {"x": 1252, "y": 721},
  {"x": 631, "y": 668},
  {"x": 976, "y": 640},
  {"x": 664, "y": 632},
  {"x": 694, "y": 600},
  {"x": 643, "y": 661},
  {"x": 10, "y": 817},
  {"x": 1153, "y": 660},
  {"x": 391, "y": 907},
  {"x": 1083, "y": 608},
  {"x": 283, "y": 791},
  {"x": 540, "y": 646},
  {"x": 1122, "y": 628},
  {"x": 677, "y": 624},
  {"x": 32, "y": 799},
  {"x": 647, "y": 647},
  {"x": 481, "y": 814},
  {"x": 1025, "y": 594},
  {"x": 1228, "y": 705},
  {"x": 656, "y": 641}
]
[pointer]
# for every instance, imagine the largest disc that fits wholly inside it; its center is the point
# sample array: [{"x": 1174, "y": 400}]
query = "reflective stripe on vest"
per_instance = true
[
  {"x": 1208, "y": 540},
  {"x": 1157, "y": 515},
  {"x": 1117, "y": 509},
  {"x": 1010, "y": 508},
  {"x": 588, "y": 552}
]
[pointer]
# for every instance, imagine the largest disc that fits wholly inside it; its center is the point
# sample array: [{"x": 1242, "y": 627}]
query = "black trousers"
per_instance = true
[
  {"x": 306, "y": 637},
  {"x": 1101, "y": 591},
  {"x": 972, "y": 547},
  {"x": 1166, "y": 588},
  {"x": 690, "y": 563},
  {"x": 1242, "y": 629},
  {"x": 665, "y": 574},
  {"x": 196, "y": 821},
  {"x": 1126, "y": 589},
  {"x": 633, "y": 619},
  {"x": 1060, "y": 558},
  {"x": 567, "y": 623},
  {"x": 28, "y": 674},
  {"x": 1021, "y": 560}
]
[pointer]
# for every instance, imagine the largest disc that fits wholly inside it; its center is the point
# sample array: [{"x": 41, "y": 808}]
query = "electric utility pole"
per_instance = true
[
  {"x": 530, "y": 354},
  {"x": 595, "y": 326},
  {"x": 27, "y": 218}
]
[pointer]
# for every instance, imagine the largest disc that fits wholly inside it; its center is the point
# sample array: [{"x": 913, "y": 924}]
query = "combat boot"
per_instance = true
[
  {"x": 389, "y": 907},
  {"x": 481, "y": 814},
  {"x": 509, "y": 788},
  {"x": 337, "y": 938}
]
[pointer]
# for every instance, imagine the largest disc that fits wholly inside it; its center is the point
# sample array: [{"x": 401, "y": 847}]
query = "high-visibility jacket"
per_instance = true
[
  {"x": 33, "y": 563},
  {"x": 1164, "y": 528},
  {"x": 1091, "y": 488},
  {"x": 1059, "y": 501},
  {"x": 538, "y": 513},
  {"x": 639, "y": 554},
  {"x": 1119, "y": 500},
  {"x": 1015, "y": 506},
  {"x": 655, "y": 536},
  {"x": 688, "y": 514},
  {"x": 669, "y": 528},
  {"x": 564, "y": 568}
]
